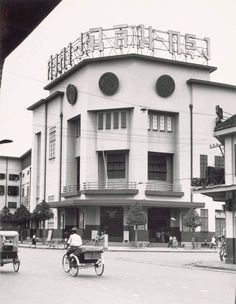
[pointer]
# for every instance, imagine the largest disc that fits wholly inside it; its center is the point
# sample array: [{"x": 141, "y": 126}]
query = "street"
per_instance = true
[{"x": 129, "y": 277}]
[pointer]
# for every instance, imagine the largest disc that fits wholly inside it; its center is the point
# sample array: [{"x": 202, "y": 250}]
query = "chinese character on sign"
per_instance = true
[
  {"x": 121, "y": 36},
  {"x": 96, "y": 42}
]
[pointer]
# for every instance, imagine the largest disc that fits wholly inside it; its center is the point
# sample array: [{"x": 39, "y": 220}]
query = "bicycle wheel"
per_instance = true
[
  {"x": 99, "y": 267},
  {"x": 74, "y": 267},
  {"x": 16, "y": 264},
  {"x": 65, "y": 263}
]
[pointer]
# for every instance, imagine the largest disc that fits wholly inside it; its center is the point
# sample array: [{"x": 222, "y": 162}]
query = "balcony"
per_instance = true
[
  {"x": 214, "y": 176},
  {"x": 163, "y": 189},
  {"x": 110, "y": 188},
  {"x": 71, "y": 190}
]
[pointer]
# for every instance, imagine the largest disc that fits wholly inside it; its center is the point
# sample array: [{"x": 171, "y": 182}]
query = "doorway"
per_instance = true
[
  {"x": 111, "y": 219},
  {"x": 159, "y": 224}
]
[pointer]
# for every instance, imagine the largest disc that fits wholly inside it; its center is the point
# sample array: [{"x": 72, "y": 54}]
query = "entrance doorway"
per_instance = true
[
  {"x": 159, "y": 224},
  {"x": 111, "y": 219}
]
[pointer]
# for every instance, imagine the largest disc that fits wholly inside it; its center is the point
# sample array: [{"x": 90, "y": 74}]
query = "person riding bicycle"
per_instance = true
[{"x": 74, "y": 242}]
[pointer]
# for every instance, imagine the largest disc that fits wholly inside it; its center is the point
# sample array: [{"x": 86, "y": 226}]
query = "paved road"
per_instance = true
[{"x": 129, "y": 277}]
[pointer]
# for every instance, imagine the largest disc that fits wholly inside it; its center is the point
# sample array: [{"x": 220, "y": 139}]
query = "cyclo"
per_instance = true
[
  {"x": 9, "y": 249},
  {"x": 84, "y": 257}
]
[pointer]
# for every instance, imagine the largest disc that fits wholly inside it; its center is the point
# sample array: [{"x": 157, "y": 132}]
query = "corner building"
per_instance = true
[{"x": 116, "y": 130}]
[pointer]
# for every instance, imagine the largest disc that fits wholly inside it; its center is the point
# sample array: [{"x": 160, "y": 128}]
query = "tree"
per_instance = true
[
  {"x": 192, "y": 221},
  {"x": 6, "y": 217},
  {"x": 135, "y": 217},
  {"x": 42, "y": 212},
  {"x": 22, "y": 216}
]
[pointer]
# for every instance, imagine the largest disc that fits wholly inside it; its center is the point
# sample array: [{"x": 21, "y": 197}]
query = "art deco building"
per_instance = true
[{"x": 128, "y": 119}]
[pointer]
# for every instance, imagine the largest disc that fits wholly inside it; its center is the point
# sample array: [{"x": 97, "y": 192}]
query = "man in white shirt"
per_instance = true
[{"x": 74, "y": 241}]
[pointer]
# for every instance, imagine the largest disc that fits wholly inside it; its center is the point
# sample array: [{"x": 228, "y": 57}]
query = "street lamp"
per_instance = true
[{"x": 6, "y": 141}]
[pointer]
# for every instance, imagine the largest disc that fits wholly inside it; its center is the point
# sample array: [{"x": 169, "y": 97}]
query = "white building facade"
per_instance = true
[
  {"x": 128, "y": 128},
  {"x": 15, "y": 180}
]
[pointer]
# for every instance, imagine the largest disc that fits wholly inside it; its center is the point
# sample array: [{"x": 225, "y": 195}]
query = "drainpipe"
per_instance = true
[
  {"x": 45, "y": 149},
  {"x": 20, "y": 188},
  {"x": 6, "y": 190},
  {"x": 191, "y": 150},
  {"x": 60, "y": 163}
]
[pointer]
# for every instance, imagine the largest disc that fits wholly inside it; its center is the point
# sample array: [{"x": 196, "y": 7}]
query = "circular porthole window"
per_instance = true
[
  {"x": 71, "y": 94},
  {"x": 109, "y": 83},
  {"x": 165, "y": 86}
]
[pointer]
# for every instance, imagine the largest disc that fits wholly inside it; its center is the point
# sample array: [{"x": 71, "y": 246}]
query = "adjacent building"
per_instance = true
[
  {"x": 225, "y": 132},
  {"x": 15, "y": 179},
  {"x": 128, "y": 126}
]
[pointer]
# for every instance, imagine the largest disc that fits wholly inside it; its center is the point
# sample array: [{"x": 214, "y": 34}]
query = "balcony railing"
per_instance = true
[
  {"x": 71, "y": 190},
  {"x": 110, "y": 188},
  {"x": 164, "y": 189},
  {"x": 109, "y": 185}
]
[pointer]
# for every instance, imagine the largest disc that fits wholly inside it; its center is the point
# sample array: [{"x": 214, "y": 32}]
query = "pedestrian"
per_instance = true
[
  {"x": 204, "y": 244},
  {"x": 174, "y": 243},
  {"x": 213, "y": 242},
  {"x": 97, "y": 239},
  {"x": 34, "y": 240},
  {"x": 170, "y": 242}
]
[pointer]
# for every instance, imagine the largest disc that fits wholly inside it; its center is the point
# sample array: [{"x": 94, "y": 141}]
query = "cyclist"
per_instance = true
[{"x": 74, "y": 241}]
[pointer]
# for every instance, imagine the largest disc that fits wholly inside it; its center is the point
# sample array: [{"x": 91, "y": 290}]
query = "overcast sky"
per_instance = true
[{"x": 25, "y": 69}]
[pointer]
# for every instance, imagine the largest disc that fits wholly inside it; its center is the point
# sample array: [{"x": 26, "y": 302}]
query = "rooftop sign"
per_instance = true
[{"x": 125, "y": 39}]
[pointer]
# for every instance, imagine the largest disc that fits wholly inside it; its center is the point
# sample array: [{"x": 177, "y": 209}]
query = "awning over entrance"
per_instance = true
[
  {"x": 216, "y": 192},
  {"x": 125, "y": 202}
]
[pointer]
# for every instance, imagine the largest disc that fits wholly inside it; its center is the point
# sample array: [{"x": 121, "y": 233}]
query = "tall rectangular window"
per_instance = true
[
  {"x": 203, "y": 165},
  {"x": 2, "y": 190},
  {"x": 219, "y": 162},
  {"x": 169, "y": 124},
  {"x": 204, "y": 219},
  {"x": 116, "y": 120},
  {"x": 52, "y": 142},
  {"x": 149, "y": 121},
  {"x": 154, "y": 123},
  {"x": 77, "y": 127},
  {"x": 123, "y": 120},
  {"x": 162, "y": 123},
  {"x": 108, "y": 121},
  {"x": 220, "y": 222},
  {"x": 157, "y": 169},
  {"x": 116, "y": 165},
  {"x": 2, "y": 176},
  {"x": 100, "y": 121},
  {"x": 13, "y": 190}
]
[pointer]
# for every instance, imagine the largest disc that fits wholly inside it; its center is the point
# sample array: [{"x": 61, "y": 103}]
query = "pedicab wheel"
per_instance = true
[
  {"x": 65, "y": 263},
  {"x": 16, "y": 264},
  {"x": 99, "y": 267},
  {"x": 74, "y": 267}
]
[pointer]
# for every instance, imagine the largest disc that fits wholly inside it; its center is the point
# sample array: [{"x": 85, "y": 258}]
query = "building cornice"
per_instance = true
[
  {"x": 47, "y": 99},
  {"x": 210, "y": 84},
  {"x": 125, "y": 202},
  {"x": 127, "y": 56}
]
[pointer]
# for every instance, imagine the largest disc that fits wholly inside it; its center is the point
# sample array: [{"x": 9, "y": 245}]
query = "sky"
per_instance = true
[{"x": 25, "y": 69}]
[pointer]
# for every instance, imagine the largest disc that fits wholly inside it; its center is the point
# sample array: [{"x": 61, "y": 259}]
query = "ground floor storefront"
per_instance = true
[{"x": 112, "y": 220}]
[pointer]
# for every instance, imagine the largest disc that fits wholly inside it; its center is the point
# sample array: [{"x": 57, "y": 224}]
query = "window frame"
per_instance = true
[
  {"x": 52, "y": 143},
  {"x": 116, "y": 168}
]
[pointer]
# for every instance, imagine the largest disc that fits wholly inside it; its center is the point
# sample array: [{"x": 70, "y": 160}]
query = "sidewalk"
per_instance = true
[{"x": 209, "y": 264}]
